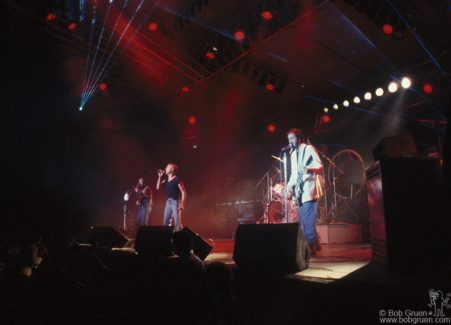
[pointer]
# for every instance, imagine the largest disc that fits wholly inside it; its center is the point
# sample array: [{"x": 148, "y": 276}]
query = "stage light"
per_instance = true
[
  {"x": 50, "y": 16},
  {"x": 153, "y": 26},
  {"x": 71, "y": 26},
  {"x": 266, "y": 15},
  {"x": 326, "y": 118},
  {"x": 269, "y": 87},
  {"x": 356, "y": 99},
  {"x": 192, "y": 120},
  {"x": 387, "y": 29},
  {"x": 102, "y": 86},
  {"x": 405, "y": 82},
  {"x": 185, "y": 89},
  {"x": 379, "y": 92},
  {"x": 392, "y": 87},
  {"x": 335, "y": 106},
  {"x": 239, "y": 35},
  {"x": 346, "y": 103},
  {"x": 81, "y": 108},
  {"x": 271, "y": 128},
  {"x": 326, "y": 109},
  {"x": 367, "y": 96},
  {"x": 214, "y": 48},
  {"x": 427, "y": 88},
  {"x": 210, "y": 55}
]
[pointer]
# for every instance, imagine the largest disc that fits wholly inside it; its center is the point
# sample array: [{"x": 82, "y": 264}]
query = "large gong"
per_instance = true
[{"x": 349, "y": 173}]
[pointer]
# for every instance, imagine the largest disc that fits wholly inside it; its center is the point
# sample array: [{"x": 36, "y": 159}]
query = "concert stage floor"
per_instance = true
[{"x": 333, "y": 262}]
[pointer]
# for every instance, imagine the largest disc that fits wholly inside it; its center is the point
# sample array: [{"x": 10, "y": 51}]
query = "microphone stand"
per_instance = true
[
  {"x": 126, "y": 197},
  {"x": 286, "y": 183}
]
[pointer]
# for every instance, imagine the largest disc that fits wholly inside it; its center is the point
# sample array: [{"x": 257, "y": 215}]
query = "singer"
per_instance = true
[
  {"x": 176, "y": 195},
  {"x": 305, "y": 165},
  {"x": 144, "y": 201}
]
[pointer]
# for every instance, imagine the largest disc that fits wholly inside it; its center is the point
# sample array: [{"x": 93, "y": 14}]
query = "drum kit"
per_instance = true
[{"x": 276, "y": 209}]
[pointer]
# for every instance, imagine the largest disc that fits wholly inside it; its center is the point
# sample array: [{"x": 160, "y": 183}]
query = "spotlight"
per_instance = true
[
  {"x": 269, "y": 87},
  {"x": 387, "y": 29},
  {"x": 71, "y": 26},
  {"x": 405, "y": 82},
  {"x": 210, "y": 55},
  {"x": 239, "y": 35},
  {"x": 102, "y": 86},
  {"x": 356, "y": 99},
  {"x": 379, "y": 92},
  {"x": 153, "y": 26},
  {"x": 346, "y": 103},
  {"x": 185, "y": 89},
  {"x": 267, "y": 15},
  {"x": 392, "y": 87},
  {"x": 271, "y": 128},
  {"x": 368, "y": 96},
  {"x": 81, "y": 108},
  {"x": 192, "y": 120},
  {"x": 326, "y": 118},
  {"x": 326, "y": 109},
  {"x": 427, "y": 88},
  {"x": 335, "y": 106}
]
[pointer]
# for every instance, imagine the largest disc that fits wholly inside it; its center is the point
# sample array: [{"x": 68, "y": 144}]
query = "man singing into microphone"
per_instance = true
[
  {"x": 176, "y": 195},
  {"x": 305, "y": 165},
  {"x": 145, "y": 202}
]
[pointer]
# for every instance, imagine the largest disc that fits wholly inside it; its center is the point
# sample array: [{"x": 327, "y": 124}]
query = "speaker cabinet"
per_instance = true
[
  {"x": 110, "y": 237},
  {"x": 407, "y": 224},
  {"x": 271, "y": 248},
  {"x": 154, "y": 240},
  {"x": 200, "y": 247},
  {"x": 401, "y": 145}
]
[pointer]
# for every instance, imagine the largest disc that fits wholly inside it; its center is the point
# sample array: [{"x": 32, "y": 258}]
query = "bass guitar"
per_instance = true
[{"x": 298, "y": 189}]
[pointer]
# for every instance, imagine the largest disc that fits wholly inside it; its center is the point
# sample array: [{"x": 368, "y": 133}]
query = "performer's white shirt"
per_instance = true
[{"x": 309, "y": 189}]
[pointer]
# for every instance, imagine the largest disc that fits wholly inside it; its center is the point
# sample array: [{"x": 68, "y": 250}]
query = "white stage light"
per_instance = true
[
  {"x": 405, "y": 82},
  {"x": 356, "y": 99},
  {"x": 392, "y": 87},
  {"x": 368, "y": 96},
  {"x": 346, "y": 103},
  {"x": 335, "y": 106},
  {"x": 379, "y": 92}
]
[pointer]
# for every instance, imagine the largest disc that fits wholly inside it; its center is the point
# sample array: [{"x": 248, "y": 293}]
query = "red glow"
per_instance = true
[
  {"x": 427, "y": 88},
  {"x": 210, "y": 55},
  {"x": 326, "y": 118},
  {"x": 266, "y": 15},
  {"x": 185, "y": 89},
  {"x": 271, "y": 128},
  {"x": 102, "y": 86},
  {"x": 50, "y": 17},
  {"x": 387, "y": 29},
  {"x": 153, "y": 26},
  {"x": 269, "y": 87},
  {"x": 71, "y": 26},
  {"x": 239, "y": 35},
  {"x": 192, "y": 120}
]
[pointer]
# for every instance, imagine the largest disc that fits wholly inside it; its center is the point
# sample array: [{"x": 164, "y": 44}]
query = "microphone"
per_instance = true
[{"x": 287, "y": 147}]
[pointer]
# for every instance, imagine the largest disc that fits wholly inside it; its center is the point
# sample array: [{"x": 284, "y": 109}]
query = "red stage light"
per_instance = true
[
  {"x": 185, "y": 89},
  {"x": 271, "y": 128},
  {"x": 50, "y": 17},
  {"x": 269, "y": 87},
  {"x": 210, "y": 55},
  {"x": 387, "y": 29},
  {"x": 71, "y": 26},
  {"x": 239, "y": 35},
  {"x": 326, "y": 118},
  {"x": 192, "y": 120},
  {"x": 153, "y": 26},
  {"x": 427, "y": 88},
  {"x": 102, "y": 87},
  {"x": 266, "y": 15}
]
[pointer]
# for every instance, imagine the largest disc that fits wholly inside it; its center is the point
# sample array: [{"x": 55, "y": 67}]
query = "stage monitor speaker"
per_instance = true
[
  {"x": 271, "y": 248},
  {"x": 110, "y": 236},
  {"x": 401, "y": 145},
  {"x": 200, "y": 247},
  {"x": 154, "y": 240}
]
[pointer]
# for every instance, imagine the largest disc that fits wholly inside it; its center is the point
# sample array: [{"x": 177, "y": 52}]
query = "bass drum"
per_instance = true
[{"x": 276, "y": 212}]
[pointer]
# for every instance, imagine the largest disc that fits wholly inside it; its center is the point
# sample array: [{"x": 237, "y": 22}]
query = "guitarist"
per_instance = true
[
  {"x": 305, "y": 165},
  {"x": 144, "y": 202}
]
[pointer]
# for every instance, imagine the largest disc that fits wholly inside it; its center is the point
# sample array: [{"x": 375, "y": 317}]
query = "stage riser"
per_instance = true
[{"x": 339, "y": 233}]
